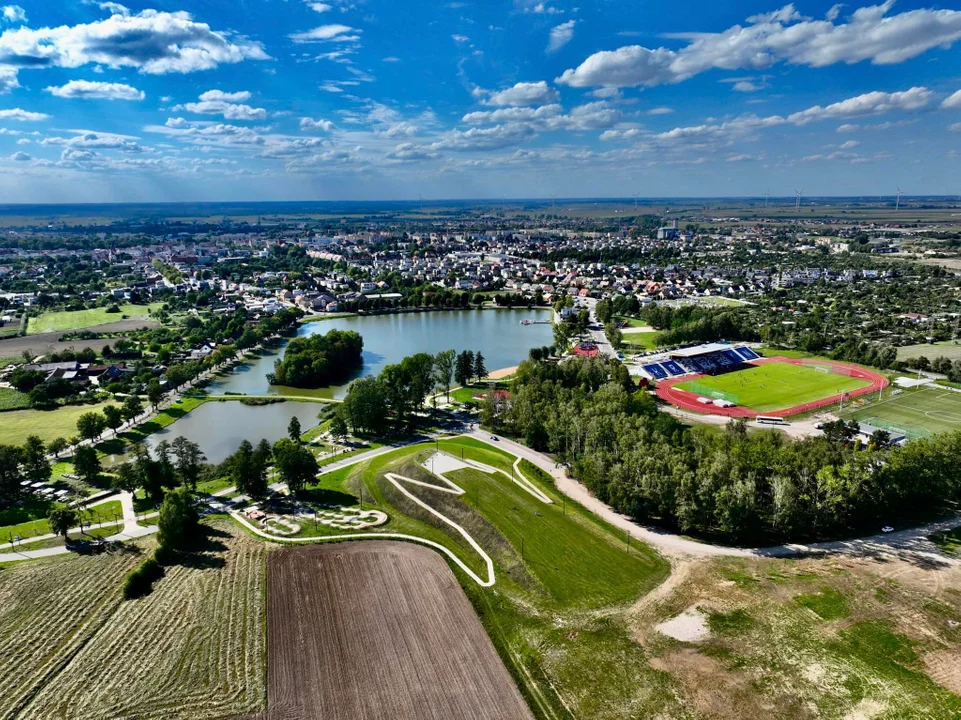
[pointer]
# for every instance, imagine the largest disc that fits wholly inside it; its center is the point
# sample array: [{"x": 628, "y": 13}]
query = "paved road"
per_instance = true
[{"x": 598, "y": 336}]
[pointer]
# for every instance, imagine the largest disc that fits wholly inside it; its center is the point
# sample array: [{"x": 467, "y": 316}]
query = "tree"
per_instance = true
[
  {"x": 91, "y": 425},
  {"x": 365, "y": 407},
  {"x": 338, "y": 426},
  {"x": 604, "y": 311},
  {"x": 165, "y": 467},
  {"x": 126, "y": 478},
  {"x": 10, "y": 475},
  {"x": 57, "y": 446},
  {"x": 177, "y": 520},
  {"x": 293, "y": 430},
  {"x": 295, "y": 463},
  {"x": 155, "y": 393},
  {"x": 480, "y": 370},
  {"x": 114, "y": 416},
  {"x": 464, "y": 369},
  {"x": 444, "y": 363},
  {"x": 35, "y": 464},
  {"x": 132, "y": 407},
  {"x": 248, "y": 468},
  {"x": 62, "y": 519},
  {"x": 190, "y": 458},
  {"x": 87, "y": 464}
]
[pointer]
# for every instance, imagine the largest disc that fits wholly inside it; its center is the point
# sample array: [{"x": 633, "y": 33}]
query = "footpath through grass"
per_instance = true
[
  {"x": 775, "y": 386},
  {"x": 80, "y": 319}
]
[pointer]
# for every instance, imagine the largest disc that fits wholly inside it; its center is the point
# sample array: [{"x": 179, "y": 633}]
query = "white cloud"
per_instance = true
[
  {"x": 746, "y": 86},
  {"x": 868, "y": 104},
  {"x": 319, "y": 6},
  {"x": 536, "y": 7},
  {"x": 482, "y": 139},
  {"x": 848, "y": 127},
  {"x": 22, "y": 115},
  {"x": 460, "y": 38},
  {"x": 13, "y": 14},
  {"x": 833, "y": 13},
  {"x": 217, "y": 102},
  {"x": 785, "y": 15},
  {"x": 21, "y": 156},
  {"x": 952, "y": 102},
  {"x": 102, "y": 141},
  {"x": 96, "y": 90},
  {"x": 151, "y": 41},
  {"x": 221, "y": 96},
  {"x": 867, "y": 36},
  {"x": 561, "y": 35},
  {"x": 8, "y": 80},
  {"x": 311, "y": 124},
  {"x": 850, "y": 144},
  {"x": 326, "y": 33},
  {"x": 955, "y": 128},
  {"x": 523, "y": 93}
]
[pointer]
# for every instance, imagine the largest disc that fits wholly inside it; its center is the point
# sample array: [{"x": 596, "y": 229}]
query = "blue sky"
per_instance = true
[{"x": 349, "y": 99}]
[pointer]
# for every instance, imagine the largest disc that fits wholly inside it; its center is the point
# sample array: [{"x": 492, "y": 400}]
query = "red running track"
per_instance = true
[{"x": 688, "y": 401}]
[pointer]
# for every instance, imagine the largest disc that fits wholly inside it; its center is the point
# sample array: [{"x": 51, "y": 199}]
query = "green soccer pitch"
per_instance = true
[
  {"x": 918, "y": 413},
  {"x": 774, "y": 386}
]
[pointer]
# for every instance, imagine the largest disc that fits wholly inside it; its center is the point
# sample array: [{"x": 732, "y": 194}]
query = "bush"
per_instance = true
[
  {"x": 112, "y": 309},
  {"x": 140, "y": 581}
]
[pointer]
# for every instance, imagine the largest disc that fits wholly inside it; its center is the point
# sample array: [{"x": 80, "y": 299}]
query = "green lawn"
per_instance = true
[
  {"x": 637, "y": 342},
  {"x": 949, "y": 541},
  {"x": 775, "y": 386},
  {"x": 469, "y": 393},
  {"x": 916, "y": 412},
  {"x": 11, "y": 399},
  {"x": 17, "y": 425},
  {"x": 629, "y": 321},
  {"x": 39, "y": 526},
  {"x": 948, "y": 349},
  {"x": 79, "y": 319}
]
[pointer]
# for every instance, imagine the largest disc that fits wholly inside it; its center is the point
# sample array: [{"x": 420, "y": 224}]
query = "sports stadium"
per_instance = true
[{"x": 735, "y": 381}]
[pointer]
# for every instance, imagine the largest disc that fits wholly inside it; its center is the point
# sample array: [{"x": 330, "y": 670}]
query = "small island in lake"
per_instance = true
[{"x": 319, "y": 360}]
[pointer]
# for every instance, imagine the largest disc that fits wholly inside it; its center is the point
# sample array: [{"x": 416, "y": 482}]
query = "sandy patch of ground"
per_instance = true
[
  {"x": 502, "y": 373},
  {"x": 865, "y": 710},
  {"x": 713, "y": 691},
  {"x": 689, "y": 626},
  {"x": 944, "y": 667},
  {"x": 633, "y": 330}
]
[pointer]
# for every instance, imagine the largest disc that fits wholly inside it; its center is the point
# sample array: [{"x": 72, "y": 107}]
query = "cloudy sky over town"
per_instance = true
[{"x": 271, "y": 99}]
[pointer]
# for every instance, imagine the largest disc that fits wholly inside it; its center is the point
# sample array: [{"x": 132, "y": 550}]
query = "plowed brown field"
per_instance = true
[{"x": 378, "y": 630}]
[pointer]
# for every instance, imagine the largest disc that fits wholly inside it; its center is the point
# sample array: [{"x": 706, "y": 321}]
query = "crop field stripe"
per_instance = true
[{"x": 356, "y": 629}]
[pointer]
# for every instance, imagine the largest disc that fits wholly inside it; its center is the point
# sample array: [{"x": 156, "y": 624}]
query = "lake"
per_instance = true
[
  {"x": 219, "y": 427},
  {"x": 498, "y": 334}
]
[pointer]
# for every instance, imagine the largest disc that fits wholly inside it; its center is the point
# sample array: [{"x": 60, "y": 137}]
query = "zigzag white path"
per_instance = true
[{"x": 399, "y": 481}]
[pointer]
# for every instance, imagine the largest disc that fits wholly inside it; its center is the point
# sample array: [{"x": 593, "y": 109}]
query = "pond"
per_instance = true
[
  {"x": 498, "y": 334},
  {"x": 219, "y": 427}
]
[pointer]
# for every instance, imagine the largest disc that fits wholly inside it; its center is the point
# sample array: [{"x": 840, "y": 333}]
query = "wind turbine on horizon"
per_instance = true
[{"x": 897, "y": 202}]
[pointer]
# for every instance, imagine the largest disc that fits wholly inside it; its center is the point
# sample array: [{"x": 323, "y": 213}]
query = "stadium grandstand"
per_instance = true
[{"x": 710, "y": 359}]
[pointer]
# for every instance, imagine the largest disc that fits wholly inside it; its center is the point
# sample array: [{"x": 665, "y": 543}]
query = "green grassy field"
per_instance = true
[
  {"x": 918, "y": 412},
  {"x": 79, "y": 319},
  {"x": 637, "y": 342},
  {"x": 39, "y": 526},
  {"x": 17, "y": 425},
  {"x": 948, "y": 349},
  {"x": 775, "y": 386},
  {"x": 11, "y": 399}
]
